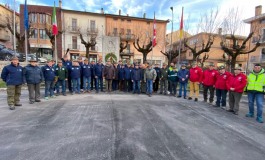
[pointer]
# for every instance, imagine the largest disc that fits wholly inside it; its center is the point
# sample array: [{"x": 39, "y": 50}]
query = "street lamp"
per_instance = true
[{"x": 171, "y": 46}]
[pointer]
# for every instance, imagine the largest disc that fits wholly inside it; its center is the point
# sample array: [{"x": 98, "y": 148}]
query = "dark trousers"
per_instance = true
[
  {"x": 234, "y": 99},
  {"x": 121, "y": 85},
  {"x": 34, "y": 92},
  {"x": 128, "y": 86},
  {"x": 93, "y": 82},
  {"x": 173, "y": 87},
  {"x": 69, "y": 82},
  {"x": 205, "y": 93},
  {"x": 115, "y": 84},
  {"x": 108, "y": 85},
  {"x": 81, "y": 82},
  {"x": 221, "y": 97},
  {"x": 156, "y": 85},
  {"x": 136, "y": 86}
]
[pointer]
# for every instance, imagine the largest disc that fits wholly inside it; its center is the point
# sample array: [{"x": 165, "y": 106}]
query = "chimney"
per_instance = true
[
  {"x": 258, "y": 10},
  {"x": 102, "y": 11},
  {"x": 144, "y": 15},
  {"x": 119, "y": 12},
  {"x": 220, "y": 31},
  {"x": 60, "y": 3}
]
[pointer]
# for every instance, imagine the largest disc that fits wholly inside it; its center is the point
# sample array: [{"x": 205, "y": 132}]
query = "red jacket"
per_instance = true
[
  {"x": 221, "y": 79},
  {"x": 238, "y": 82},
  {"x": 209, "y": 77},
  {"x": 195, "y": 74}
]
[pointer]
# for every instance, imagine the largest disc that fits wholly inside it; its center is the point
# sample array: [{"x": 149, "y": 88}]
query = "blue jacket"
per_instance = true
[
  {"x": 48, "y": 73},
  {"x": 12, "y": 75},
  {"x": 33, "y": 74},
  {"x": 136, "y": 74},
  {"x": 75, "y": 72},
  {"x": 183, "y": 73},
  {"x": 67, "y": 64},
  {"x": 128, "y": 72},
  {"x": 87, "y": 70},
  {"x": 92, "y": 70},
  {"x": 98, "y": 70},
  {"x": 121, "y": 74},
  {"x": 158, "y": 72}
]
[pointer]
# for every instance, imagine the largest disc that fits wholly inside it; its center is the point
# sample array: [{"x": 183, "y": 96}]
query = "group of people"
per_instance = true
[{"x": 82, "y": 76}]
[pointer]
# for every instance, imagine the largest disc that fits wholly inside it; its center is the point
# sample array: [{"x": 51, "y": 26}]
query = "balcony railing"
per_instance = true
[
  {"x": 94, "y": 49},
  {"x": 73, "y": 29},
  {"x": 127, "y": 37},
  {"x": 92, "y": 30},
  {"x": 73, "y": 47}
]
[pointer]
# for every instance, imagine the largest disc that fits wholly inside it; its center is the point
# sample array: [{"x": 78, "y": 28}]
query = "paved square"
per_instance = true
[{"x": 126, "y": 127}]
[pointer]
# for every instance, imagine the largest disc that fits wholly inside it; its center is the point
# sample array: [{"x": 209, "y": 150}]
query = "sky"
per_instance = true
[{"x": 193, "y": 9}]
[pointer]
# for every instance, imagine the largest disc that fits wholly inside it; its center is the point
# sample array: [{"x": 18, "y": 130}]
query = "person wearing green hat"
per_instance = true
[{"x": 62, "y": 76}]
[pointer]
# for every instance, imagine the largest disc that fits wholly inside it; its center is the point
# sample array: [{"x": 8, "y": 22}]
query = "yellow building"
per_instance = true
[
  {"x": 257, "y": 24},
  {"x": 6, "y": 14}
]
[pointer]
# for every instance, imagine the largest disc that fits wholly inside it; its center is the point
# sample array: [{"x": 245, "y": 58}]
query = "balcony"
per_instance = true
[
  {"x": 4, "y": 37},
  {"x": 94, "y": 49},
  {"x": 73, "y": 47},
  {"x": 127, "y": 53},
  {"x": 92, "y": 31},
  {"x": 73, "y": 29},
  {"x": 128, "y": 37}
]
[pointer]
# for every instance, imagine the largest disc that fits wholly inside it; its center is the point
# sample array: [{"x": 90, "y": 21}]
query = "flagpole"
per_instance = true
[
  {"x": 181, "y": 34},
  {"x": 26, "y": 45},
  {"x": 179, "y": 54},
  {"x": 55, "y": 49},
  {"x": 14, "y": 26}
]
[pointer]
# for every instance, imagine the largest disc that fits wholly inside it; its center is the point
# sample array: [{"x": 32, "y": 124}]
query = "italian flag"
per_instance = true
[{"x": 54, "y": 21}]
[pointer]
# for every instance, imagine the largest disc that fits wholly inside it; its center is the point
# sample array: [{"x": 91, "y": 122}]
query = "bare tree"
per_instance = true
[
  {"x": 232, "y": 25},
  {"x": 207, "y": 25},
  {"x": 171, "y": 55},
  {"x": 91, "y": 34},
  {"x": 123, "y": 47},
  {"x": 144, "y": 49},
  {"x": 20, "y": 37},
  {"x": 49, "y": 33}
]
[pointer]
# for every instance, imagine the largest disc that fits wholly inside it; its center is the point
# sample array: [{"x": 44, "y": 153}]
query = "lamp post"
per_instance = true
[{"x": 171, "y": 46}]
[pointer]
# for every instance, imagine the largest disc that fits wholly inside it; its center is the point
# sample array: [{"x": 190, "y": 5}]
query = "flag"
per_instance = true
[
  {"x": 181, "y": 26},
  {"x": 154, "y": 32},
  {"x": 26, "y": 16},
  {"x": 54, "y": 22}
]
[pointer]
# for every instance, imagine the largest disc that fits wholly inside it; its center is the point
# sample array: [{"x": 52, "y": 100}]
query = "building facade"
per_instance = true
[
  {"x": 6, "y": 16},
  {"x": 40, "y": 19},
  {"x": 129, "y": 29},
  {"x": 90, "y": 25},
  {"x": 257, "y": 25}
]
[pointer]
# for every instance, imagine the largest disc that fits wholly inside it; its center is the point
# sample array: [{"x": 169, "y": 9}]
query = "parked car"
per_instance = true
[
  {"x": 6, "y": 54},
  {"x": 40, "y": 59}
]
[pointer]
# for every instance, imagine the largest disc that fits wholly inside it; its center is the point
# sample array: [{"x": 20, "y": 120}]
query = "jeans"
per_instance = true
[
  {"x": 69, "y": 81},
  {"x": 184, "y": 87},
  {"x": 136, "y": 86},
  {"x": 60, "y": 83},
  {"x": 76, "y": 85},
  {"x": 99, "y": 80},
  {"x": 49, "y": 88},
  {"x": 86, "y": 83},
  {"x": 205, "y": 93},
  {"x": 221, "y": 97},
  {"x": 259, "y": 97},
  {"x": 128, "y": 86},
  {"x": 149, "y": 85},
  {"x": 115, "y": 84}
]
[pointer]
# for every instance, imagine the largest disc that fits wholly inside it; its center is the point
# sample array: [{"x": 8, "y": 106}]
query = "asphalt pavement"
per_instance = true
[{"x": 121, "y": 126}]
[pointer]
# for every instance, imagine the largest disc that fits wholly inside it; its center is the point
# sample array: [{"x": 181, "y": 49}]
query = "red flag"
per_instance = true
[
  {"x": 54, "y": 22},
  {"x": 181, "y": 26},
  {"x": 154, "y": 32}
]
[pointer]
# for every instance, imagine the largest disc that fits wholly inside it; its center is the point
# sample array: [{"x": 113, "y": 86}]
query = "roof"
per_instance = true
[
  {"x": 255, "y": 18},
  {"x": 83, "y": 12},
  {"x": 136, "y": 18},
  {"x": 7, "y": 8}
]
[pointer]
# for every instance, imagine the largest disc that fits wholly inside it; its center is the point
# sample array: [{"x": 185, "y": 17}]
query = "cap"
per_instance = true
[
  {"x": 183, "y": 65},
  {"x": 14, "y": 58},
  {"x": 85, "y": 59},
  {"x": 221, "y": 67},
  {"x": 257, "y": 65},
  {"x": 49, "y": 60},
  {"x": 60, "y": 61},
  {"x": 211, "y": 64},
  {"x": 32, "y": 60},
  {"x": 238, "y": 68},
  {"x": 194, "y": 63},
  {"x": 75, "y": 60},
  {"x": 164, "y": 64},
  {"x": 80, "y": 58},
  {"x": 115, "y": 62},
  {"x": 174, "y": 67}
]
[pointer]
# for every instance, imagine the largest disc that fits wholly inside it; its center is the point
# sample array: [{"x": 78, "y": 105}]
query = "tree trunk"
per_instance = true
[
  {"x": 232, "y": 64},
  {"x": 144, "y": 57},
  {"x": 87, "y": 52}
]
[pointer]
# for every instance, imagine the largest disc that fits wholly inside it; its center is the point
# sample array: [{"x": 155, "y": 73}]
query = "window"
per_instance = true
[
  {"x": 263, "y": 35},
  {"x": 74, "y": 42},
  {"x": 115, "y": 31},
  {"x": 128, "y": 48},
  {"x": 35, "y": 34},
  {"x": 129, "y": 32},
  {"x": 263, "y": 54},
  {"x": 48, "y": 19},
  {"x": 93, "y": 48},
  {"x": 42, "y": 18},
  {"x": 43, "y": 34},
  {"x": 93, "y": 25},
  {"x": 122, "y": 31},
  {"x": 33, "y": 17},
  {"x": 190, "y": 53},
  {"x": 74, "y": 24}
]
